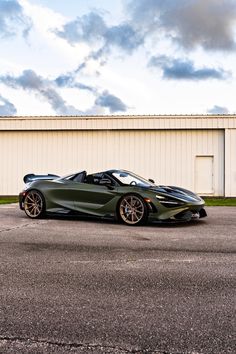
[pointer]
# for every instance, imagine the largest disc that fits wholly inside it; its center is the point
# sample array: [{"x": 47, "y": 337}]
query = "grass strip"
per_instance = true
[
  {"x": 8, "y": 200},
  {"x": 220, "y": 201}
]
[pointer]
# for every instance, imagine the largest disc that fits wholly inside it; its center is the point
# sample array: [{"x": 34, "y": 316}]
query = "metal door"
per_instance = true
[{"x": 204, "y": 175}]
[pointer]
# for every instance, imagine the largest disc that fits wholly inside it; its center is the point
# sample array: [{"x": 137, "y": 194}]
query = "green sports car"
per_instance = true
[{"x": 116, "y": 194}]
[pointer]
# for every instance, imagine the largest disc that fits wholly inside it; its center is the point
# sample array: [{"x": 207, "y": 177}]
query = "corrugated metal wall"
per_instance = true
[
  {"x": 230, "y": 162},
  {"x": 168, "y": 156}
]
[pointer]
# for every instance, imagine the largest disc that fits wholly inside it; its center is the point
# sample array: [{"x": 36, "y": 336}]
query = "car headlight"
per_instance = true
[{"x": 169, "y": 202}]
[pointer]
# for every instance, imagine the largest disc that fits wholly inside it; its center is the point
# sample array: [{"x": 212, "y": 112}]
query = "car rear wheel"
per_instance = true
[
  {"x": 34, "y": 205},
  {"x": 132, "y": 210}
]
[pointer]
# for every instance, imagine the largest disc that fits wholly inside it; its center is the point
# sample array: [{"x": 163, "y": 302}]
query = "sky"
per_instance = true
[{"x": 128, "y": 57}]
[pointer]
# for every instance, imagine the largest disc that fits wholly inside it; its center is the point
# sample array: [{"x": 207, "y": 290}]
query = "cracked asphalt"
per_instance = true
[{"x": 91, "y": 286}]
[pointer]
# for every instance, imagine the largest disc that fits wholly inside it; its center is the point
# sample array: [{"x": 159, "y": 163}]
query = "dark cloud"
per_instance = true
[
  {"x": 124, "y": 37},
  {"x": 113, "y": 103},
  {"x": 46, "y": 89},
  {"x": 218, "y": 110},
  {"x": 98, "y": 55},
  {"x": 6, "y": 107},
  {"x": 68, "y": 80},
  {"x": 87, "y": 28},
  {"x": 206, "y": 23},
  {"x": 12, "y": 19},
  {"x": 177, "y": 69},
  {"x": 32, "y": 82},
  {"x": 105, "y": 100},
  {"x": 91, "y": 28}
]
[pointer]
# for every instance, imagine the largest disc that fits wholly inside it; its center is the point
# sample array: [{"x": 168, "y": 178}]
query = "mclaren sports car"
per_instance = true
[{"x": 116, "y": 194}]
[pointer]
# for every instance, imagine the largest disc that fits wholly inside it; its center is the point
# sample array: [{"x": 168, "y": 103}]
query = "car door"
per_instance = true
[
  {"x": 93, "y": 198},
  {"x": 61, "y": 193}
]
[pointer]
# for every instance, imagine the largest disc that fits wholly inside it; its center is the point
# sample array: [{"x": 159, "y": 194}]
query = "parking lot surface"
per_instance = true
[{"x": 92, "y": 286}]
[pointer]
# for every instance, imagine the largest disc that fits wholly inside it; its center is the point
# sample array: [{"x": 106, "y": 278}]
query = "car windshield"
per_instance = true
[{"x": 128, "y": 178}]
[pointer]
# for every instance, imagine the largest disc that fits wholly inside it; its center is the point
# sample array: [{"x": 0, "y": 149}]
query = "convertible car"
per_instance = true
[{"x": 115, "y": 193}]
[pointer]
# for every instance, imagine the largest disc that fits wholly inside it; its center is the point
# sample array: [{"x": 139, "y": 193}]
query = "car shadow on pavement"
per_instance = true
[{"x": 112, "y": 221}]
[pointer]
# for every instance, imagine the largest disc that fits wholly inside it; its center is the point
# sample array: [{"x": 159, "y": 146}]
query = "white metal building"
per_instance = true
[{"x": 195, "y": 152}]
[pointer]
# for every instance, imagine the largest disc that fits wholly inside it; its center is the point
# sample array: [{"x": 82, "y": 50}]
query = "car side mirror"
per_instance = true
[
  {"x": 151, "y": 180},
  {"x": 105, "y": 182}
]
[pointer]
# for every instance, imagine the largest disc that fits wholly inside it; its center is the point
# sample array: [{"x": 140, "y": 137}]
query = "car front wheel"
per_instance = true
[
  {"x": 132, "y": 210},
  {"x": 34, "y": 205}
]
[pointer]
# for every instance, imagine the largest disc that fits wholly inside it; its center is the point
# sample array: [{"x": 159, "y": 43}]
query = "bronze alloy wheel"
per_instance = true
[
  {"x": 132, "y": 210},
  {"x": 34, "y": 204}
]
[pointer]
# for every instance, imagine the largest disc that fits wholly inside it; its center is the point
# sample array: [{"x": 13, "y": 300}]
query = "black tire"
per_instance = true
[
  {"x": 132, "y": 210},
  {"x": 34, "y": 204}
]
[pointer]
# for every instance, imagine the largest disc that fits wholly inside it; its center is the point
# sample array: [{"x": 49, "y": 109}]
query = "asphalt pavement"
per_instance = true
[{"x": 92, "y": 286}]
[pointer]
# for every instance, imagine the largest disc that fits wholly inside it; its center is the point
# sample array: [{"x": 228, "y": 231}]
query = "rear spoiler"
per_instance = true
[{"x": 32, "y": 177}]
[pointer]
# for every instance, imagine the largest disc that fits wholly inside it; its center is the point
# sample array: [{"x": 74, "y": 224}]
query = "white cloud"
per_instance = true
[
  {"x": 122, "y": 74},
  {"x": 48, "y": 53}
]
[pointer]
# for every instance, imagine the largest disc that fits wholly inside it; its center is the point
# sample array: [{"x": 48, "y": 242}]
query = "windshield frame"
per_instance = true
[{"x": 140, "y": 181}]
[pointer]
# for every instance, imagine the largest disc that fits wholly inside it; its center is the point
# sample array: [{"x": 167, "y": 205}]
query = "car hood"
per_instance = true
[{"x": 176, "y": 193}]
